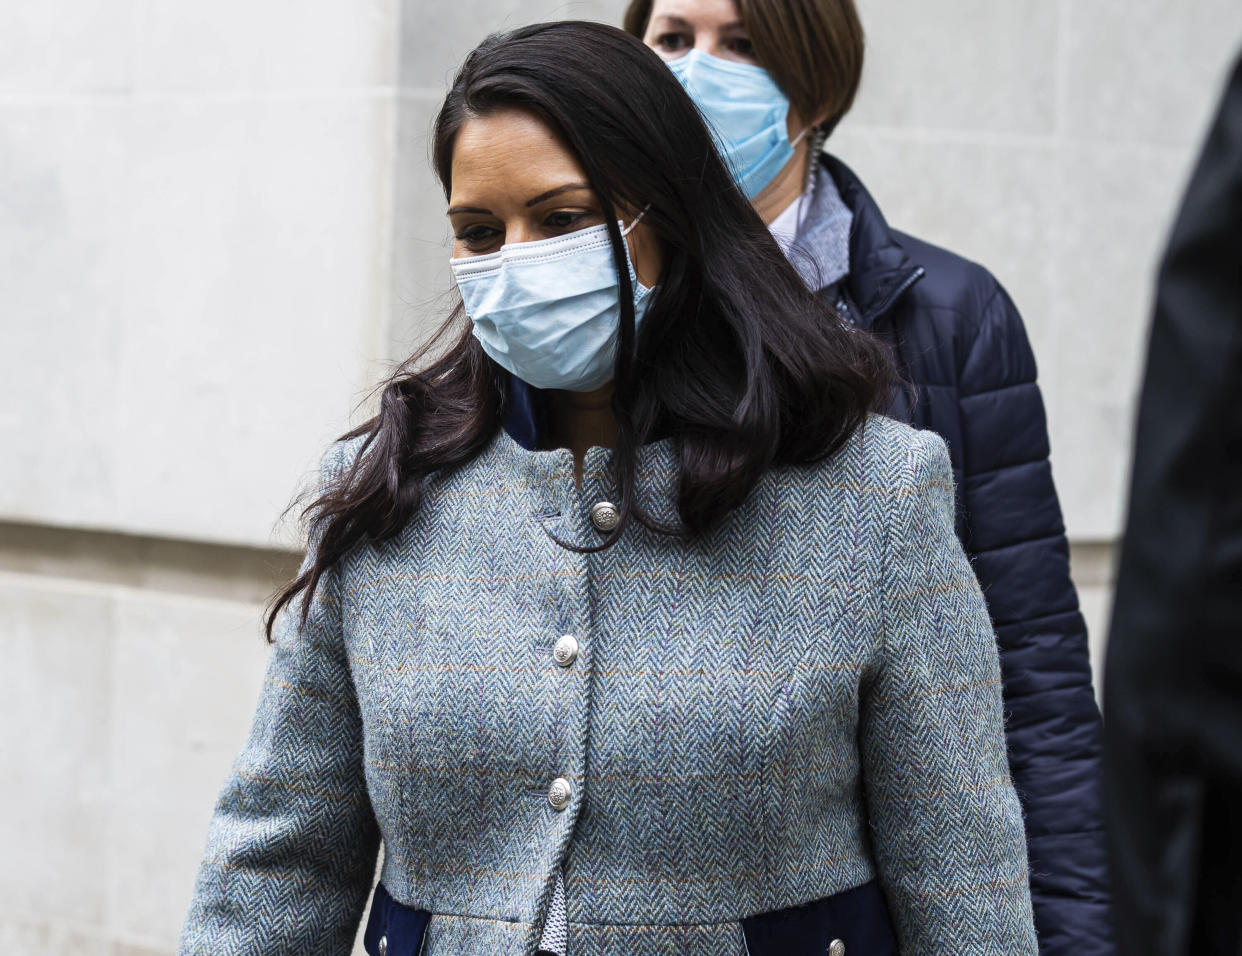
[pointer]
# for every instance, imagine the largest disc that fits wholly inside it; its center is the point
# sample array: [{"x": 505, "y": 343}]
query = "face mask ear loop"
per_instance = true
[
  {"x": 629, "y": 253},
  {"x": 630, "y": 228},
  {"x": 797, "y": 139}
]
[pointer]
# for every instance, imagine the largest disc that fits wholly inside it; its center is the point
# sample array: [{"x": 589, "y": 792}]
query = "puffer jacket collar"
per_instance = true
[{"x": 881, "y": 270}]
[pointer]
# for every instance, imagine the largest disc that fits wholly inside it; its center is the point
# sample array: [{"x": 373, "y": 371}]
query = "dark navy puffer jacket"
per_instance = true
[{"x": 962, "y": 348}]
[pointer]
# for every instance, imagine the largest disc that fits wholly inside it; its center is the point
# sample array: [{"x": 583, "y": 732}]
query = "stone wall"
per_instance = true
[
  {"x": 1050, "y": 140},
  {"x": 218, "y": 227}
]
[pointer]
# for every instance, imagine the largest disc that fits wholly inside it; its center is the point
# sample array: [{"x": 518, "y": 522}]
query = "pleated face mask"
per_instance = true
[
  {"x": 550, "y": 311},
  {"x": 746, "y": 112}
]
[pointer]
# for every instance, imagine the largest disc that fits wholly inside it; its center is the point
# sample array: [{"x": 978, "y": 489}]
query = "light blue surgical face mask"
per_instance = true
[
  {"x": 746, "y": 112},
  {"x": 550, "y": 311}
]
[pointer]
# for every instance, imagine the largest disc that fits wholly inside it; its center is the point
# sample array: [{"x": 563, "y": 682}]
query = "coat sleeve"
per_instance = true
[
  {"x": 291, "y": 849},
  {"x": 947, "y": 827},
  {"x": 1016, "y": 540}
]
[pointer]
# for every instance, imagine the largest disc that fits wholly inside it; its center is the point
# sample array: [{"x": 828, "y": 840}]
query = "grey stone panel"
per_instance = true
[
  {"x": 21, "y": 938},
  {"x": 235, "y": 46},
  {"x": 256, "y": 303},
  {"x": 198, "y": 299},
  {"x": 62, "y": 234},
  {"x": 960, "y": 65},
  {"x": 185, "y": 676},
  {"x": 240, "y": 575},
  {"x": 55, "y": 697},
  {"x": 435, "y": 37},
  {"x": 195, "y": 255},
  {"x": 1114, "y": 205},
  {"x": 78, "y": 46},
  {"x": 1146, "y": 71},
  {"x": 120, "y": 713},
  {"x": 1094, "y": 569},
  {"x": 422, "y": 290},
  {"x": 984, "y": 198}
]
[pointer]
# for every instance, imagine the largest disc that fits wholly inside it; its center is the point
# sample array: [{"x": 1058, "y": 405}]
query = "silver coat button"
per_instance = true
[
  {"x": 559, "y": 793},
  {"x": 566, "y": 650},
  {"x": 605, "y": 516},
  {"x": 383, "y": 946},
  {"x": 836, "y": 948}
]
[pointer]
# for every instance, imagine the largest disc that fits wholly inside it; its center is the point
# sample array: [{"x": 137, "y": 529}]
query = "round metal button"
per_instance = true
[
  {"x": 605, "y": 516},
  {"x": 559, "y": 793},
  {"x": 836, "y": 948},
  {"x": 566, "y": 650},
  {"x": 383, "y": 946}
]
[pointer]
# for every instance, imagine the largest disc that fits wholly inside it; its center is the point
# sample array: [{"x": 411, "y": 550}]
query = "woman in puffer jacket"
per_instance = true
[{"x": 774, "y": 78}]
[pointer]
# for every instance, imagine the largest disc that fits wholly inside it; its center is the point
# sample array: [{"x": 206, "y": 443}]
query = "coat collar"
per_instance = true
[
  {"x": 880, "y": 268},
  {"x": 562, "y": 505}
]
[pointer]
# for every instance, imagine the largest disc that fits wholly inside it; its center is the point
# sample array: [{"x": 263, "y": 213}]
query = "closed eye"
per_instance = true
[
  {"x": 563, "y": 220},
  {"x": 475, "y": 238}
]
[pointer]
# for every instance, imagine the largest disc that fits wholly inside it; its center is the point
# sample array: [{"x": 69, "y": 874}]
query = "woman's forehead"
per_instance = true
[
  {"x": 708, "y": 13},
  {"x": 510, "y": 149}
]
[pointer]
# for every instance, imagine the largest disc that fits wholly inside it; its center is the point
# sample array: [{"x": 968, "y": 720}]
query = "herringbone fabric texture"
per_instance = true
[{"x": 804, "y": 699}]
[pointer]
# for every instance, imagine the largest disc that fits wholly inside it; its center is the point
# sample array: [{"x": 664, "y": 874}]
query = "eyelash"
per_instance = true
[
  {"x": 573, "y": 218},
  {"x": 478, "y": 237}
]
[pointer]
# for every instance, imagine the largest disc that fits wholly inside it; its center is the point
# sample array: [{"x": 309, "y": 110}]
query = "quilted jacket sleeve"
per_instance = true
[
  {"x": 947, "y": 827},
  {"x": 1015, "y": 537},
  {"x": 291, "y": 849}
]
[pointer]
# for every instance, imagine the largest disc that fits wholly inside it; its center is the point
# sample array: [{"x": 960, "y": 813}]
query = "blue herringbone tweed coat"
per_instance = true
[{"x": 803, "y": 700}]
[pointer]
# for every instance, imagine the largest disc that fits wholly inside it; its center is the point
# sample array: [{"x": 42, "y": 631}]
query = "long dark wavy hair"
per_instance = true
[{"x": 736, "y": 361}]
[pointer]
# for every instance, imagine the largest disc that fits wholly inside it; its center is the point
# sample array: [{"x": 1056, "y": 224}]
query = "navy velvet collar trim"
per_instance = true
[{"x": 526, "y": 414}]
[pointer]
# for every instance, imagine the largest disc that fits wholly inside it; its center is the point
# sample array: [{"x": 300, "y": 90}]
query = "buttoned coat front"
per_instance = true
[{"x": 803, "y": 700}]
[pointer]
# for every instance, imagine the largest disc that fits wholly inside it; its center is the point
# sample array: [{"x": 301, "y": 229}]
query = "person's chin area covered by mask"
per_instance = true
[
  {"x": 533, "y": 257},
  {"x": 534, "y": 262}
]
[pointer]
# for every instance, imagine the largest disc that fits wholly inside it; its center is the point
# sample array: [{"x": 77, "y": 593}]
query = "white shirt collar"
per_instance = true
[{"x": 784, "y": 228}]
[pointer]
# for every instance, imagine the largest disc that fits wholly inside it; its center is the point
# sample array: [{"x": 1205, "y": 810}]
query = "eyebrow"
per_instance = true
[
  {"x": 568, "y": 187},
  {"x": 542, "y": 197},
  {"x": 681, "y": 23}
]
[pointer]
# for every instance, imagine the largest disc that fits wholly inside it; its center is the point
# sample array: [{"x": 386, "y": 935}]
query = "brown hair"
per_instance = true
[{"x": 812, "y": 48}]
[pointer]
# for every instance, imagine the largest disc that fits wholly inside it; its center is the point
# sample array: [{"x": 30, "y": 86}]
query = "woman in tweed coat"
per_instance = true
[{"x": 707, "y": 673}]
